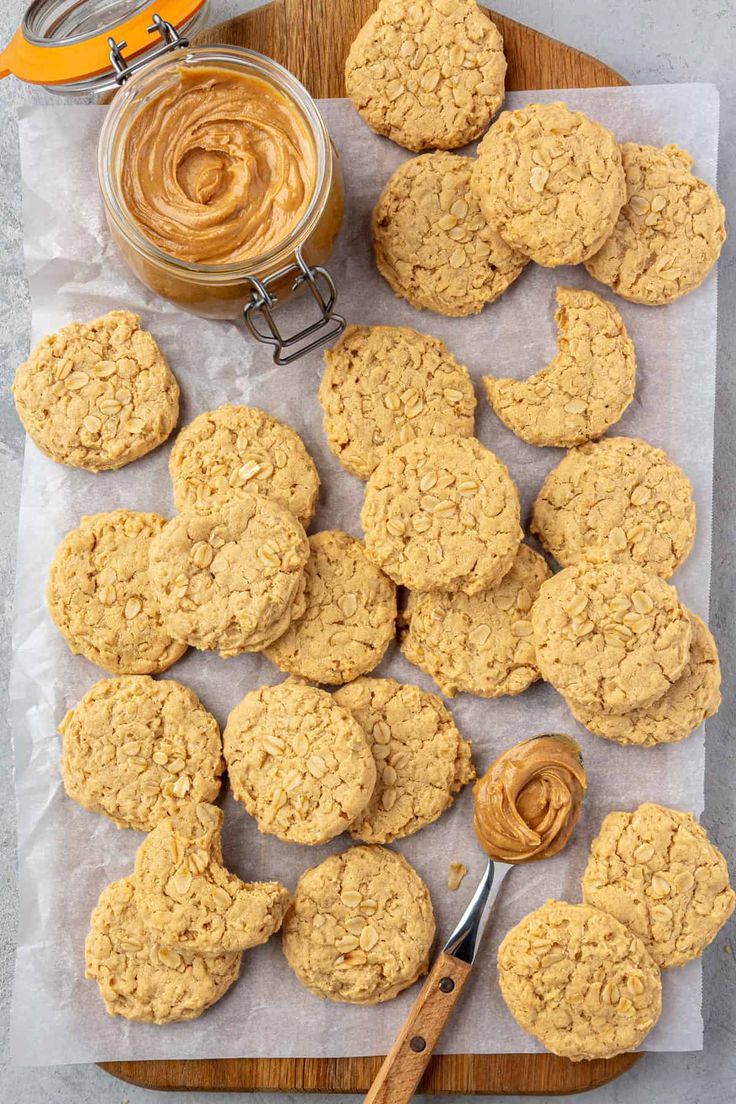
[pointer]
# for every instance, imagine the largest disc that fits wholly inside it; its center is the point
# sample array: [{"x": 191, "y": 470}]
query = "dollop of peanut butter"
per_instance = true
[
  {"x": 218, "y": 167},
  {"x": 528, "y": 801}
]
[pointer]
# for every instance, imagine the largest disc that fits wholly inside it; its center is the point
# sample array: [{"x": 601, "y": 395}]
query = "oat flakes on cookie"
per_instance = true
[
  {"x": 299, "y": 763},
  {"x": 657, "y": 872},
  {"x": 669, "y": 233},
  {"x": 348, "y": 618},
  {"x": 230, "y": 581},
  {"x": 431, "y": 240},
  {"x": 235, "y": 449},
  {"x": 612, "y": 637},
  {"x": 482, "y": 644},
  {"x": 360, "y": 928},
  {"x": 98, "y": 394},
  {"x": 141, "y": 980},
  {"x": 383, "y": 385},
  {"x": 550, "y": 181},
  {"x": 442, "y": 513},
  {"x": 429, "y": 74},
  {"x": 586, "y": 386},
  {"x": 186, "y": 898},
  {"x": 136, "y": 749},
  {"x": 100, "y": 597},
  {"x": 579, "y": 981},
  {"x": 422, "y": 761},
  {"x": 618, "y": 500}
]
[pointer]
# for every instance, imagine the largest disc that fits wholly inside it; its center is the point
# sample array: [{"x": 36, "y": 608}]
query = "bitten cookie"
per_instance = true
[
  {"x": 139, "y": 979},
  {"x": 428, "y": 74},
  {"x": 442, "y": 514},
  {"x": 100, "y": 597},
  {"x": 481, "y": 644},
  {"x": 237, "y": 449},
  {"x": 695, "y": 696},
  {"x": 422, "y": 761},
  {"x": 383, "y": 386},
  {"x": 97, "y": 395},
  {"x": 348, "y": 618},
  {"x": 137, "y": 748},
  {"x": 360, "y": 928},
  {"x": 550, "y": 181},
  {"x": 657, "y": 872},
  {"x": 579, "y": 981},
  {"x": 610, "y": 636},
  {"x": 669, "y": 233},
  {"x": 431, "y": 240},
  {"x": 586, "y": 386},
  {"x": 618, "y": 500},
  {"x": 300, "y": 764}
]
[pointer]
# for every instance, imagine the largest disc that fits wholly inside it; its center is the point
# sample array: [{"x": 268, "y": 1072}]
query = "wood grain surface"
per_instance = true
[{"x": 312, "y": 38}]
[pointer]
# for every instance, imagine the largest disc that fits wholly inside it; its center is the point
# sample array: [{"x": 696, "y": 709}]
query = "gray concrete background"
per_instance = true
[{"x": 648, "y": 42}]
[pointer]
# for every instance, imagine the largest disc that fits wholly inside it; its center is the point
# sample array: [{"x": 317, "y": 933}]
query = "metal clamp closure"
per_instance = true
[{"x": 170, "y": 40}]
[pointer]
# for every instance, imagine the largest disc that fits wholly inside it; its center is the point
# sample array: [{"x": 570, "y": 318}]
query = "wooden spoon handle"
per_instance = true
[{"x": 398, "y": 1077}]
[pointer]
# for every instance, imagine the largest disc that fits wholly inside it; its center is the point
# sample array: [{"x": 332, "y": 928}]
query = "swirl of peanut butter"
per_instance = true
[
  {"x": 528, "y": 801},
  {"x": 218, "y": 167}
]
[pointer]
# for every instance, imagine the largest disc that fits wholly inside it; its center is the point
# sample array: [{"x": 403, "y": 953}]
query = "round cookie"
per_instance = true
[
  {"x": 586, "y": 386},
  {"x": 577, "y": 980},
  {"x": 442, "y": 513},
  {"x": 422, "y": 761},
  {"x": 100, "y": 597},
  {"x": 300, "y": 764},
  {"x": 383, "y": 385},
  {"x": 610, "y": 636},
  {"x": 360, "y": 928},
  {"x": 694, "y": 697},
  {"x": 98, "y": 394},
  {"x": 429, "y": 75},
  {"x": 231, "y": 580},
  {"x": 481, "y": 644},
  {"x": 431, "y": 241},
  {"x": 618, "y": 500},
  {"x": 669, "y": 233},
  {"x": 550, "y": 182},
  {"x": 235, "y": 449},
  {"x": 349, "y": 616},
  {"x": 139, "y": 979},
  {"x": 657, "y": 872},
  {"x": 136, "y": 748}
]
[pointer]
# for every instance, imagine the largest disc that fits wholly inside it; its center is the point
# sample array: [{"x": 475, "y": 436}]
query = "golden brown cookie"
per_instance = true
[
  {"x": 657, "y": 872},
  {"x": 669, "y": 233}
]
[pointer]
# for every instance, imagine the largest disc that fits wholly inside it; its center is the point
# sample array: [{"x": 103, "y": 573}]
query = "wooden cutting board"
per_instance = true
[{"x": 311, "y": 38}]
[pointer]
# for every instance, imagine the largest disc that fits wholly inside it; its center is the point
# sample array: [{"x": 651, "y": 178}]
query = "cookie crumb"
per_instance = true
[{"x": 455, "y": 874}]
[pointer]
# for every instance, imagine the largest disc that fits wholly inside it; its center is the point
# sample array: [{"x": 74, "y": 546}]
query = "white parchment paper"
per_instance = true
[{"x": 68, "y": 855}]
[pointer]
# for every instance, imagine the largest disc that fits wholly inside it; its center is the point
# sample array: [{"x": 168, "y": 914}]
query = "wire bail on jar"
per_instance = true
[{"x": 170, "y": 40}]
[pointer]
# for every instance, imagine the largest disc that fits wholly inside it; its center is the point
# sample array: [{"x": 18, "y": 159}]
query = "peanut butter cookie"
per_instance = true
[
  {"x": 360, "y": 928},
  {"x": 384, "y": 385},
  {"x": 300, "y": 764},
  {"x": 441, "y": 513},
  {"x": 139, "y": 979},
  {"x": 348, "y": 618},
  {"x": 431, "y": 240},
  {"x": 579, "y": 981},
  {"x": 586, "y": 386},
  {"x": 100, "y": 597},
  {"x": 98, "y": 394},
  {"x": 235, "y": 449},
  {"x": 422, "y": 761},
  {"x": 669, "y": 233},
  {"x": 481, "y": 644},
  {"x": 550, "y": 182},
  {"x": 610, "y": 636},
  {"x": 619, "y": 500},
  {"x": 428, "y": 74},
  {"x": 230, "y": 580},
  {"x": 657, "y": 872}
]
